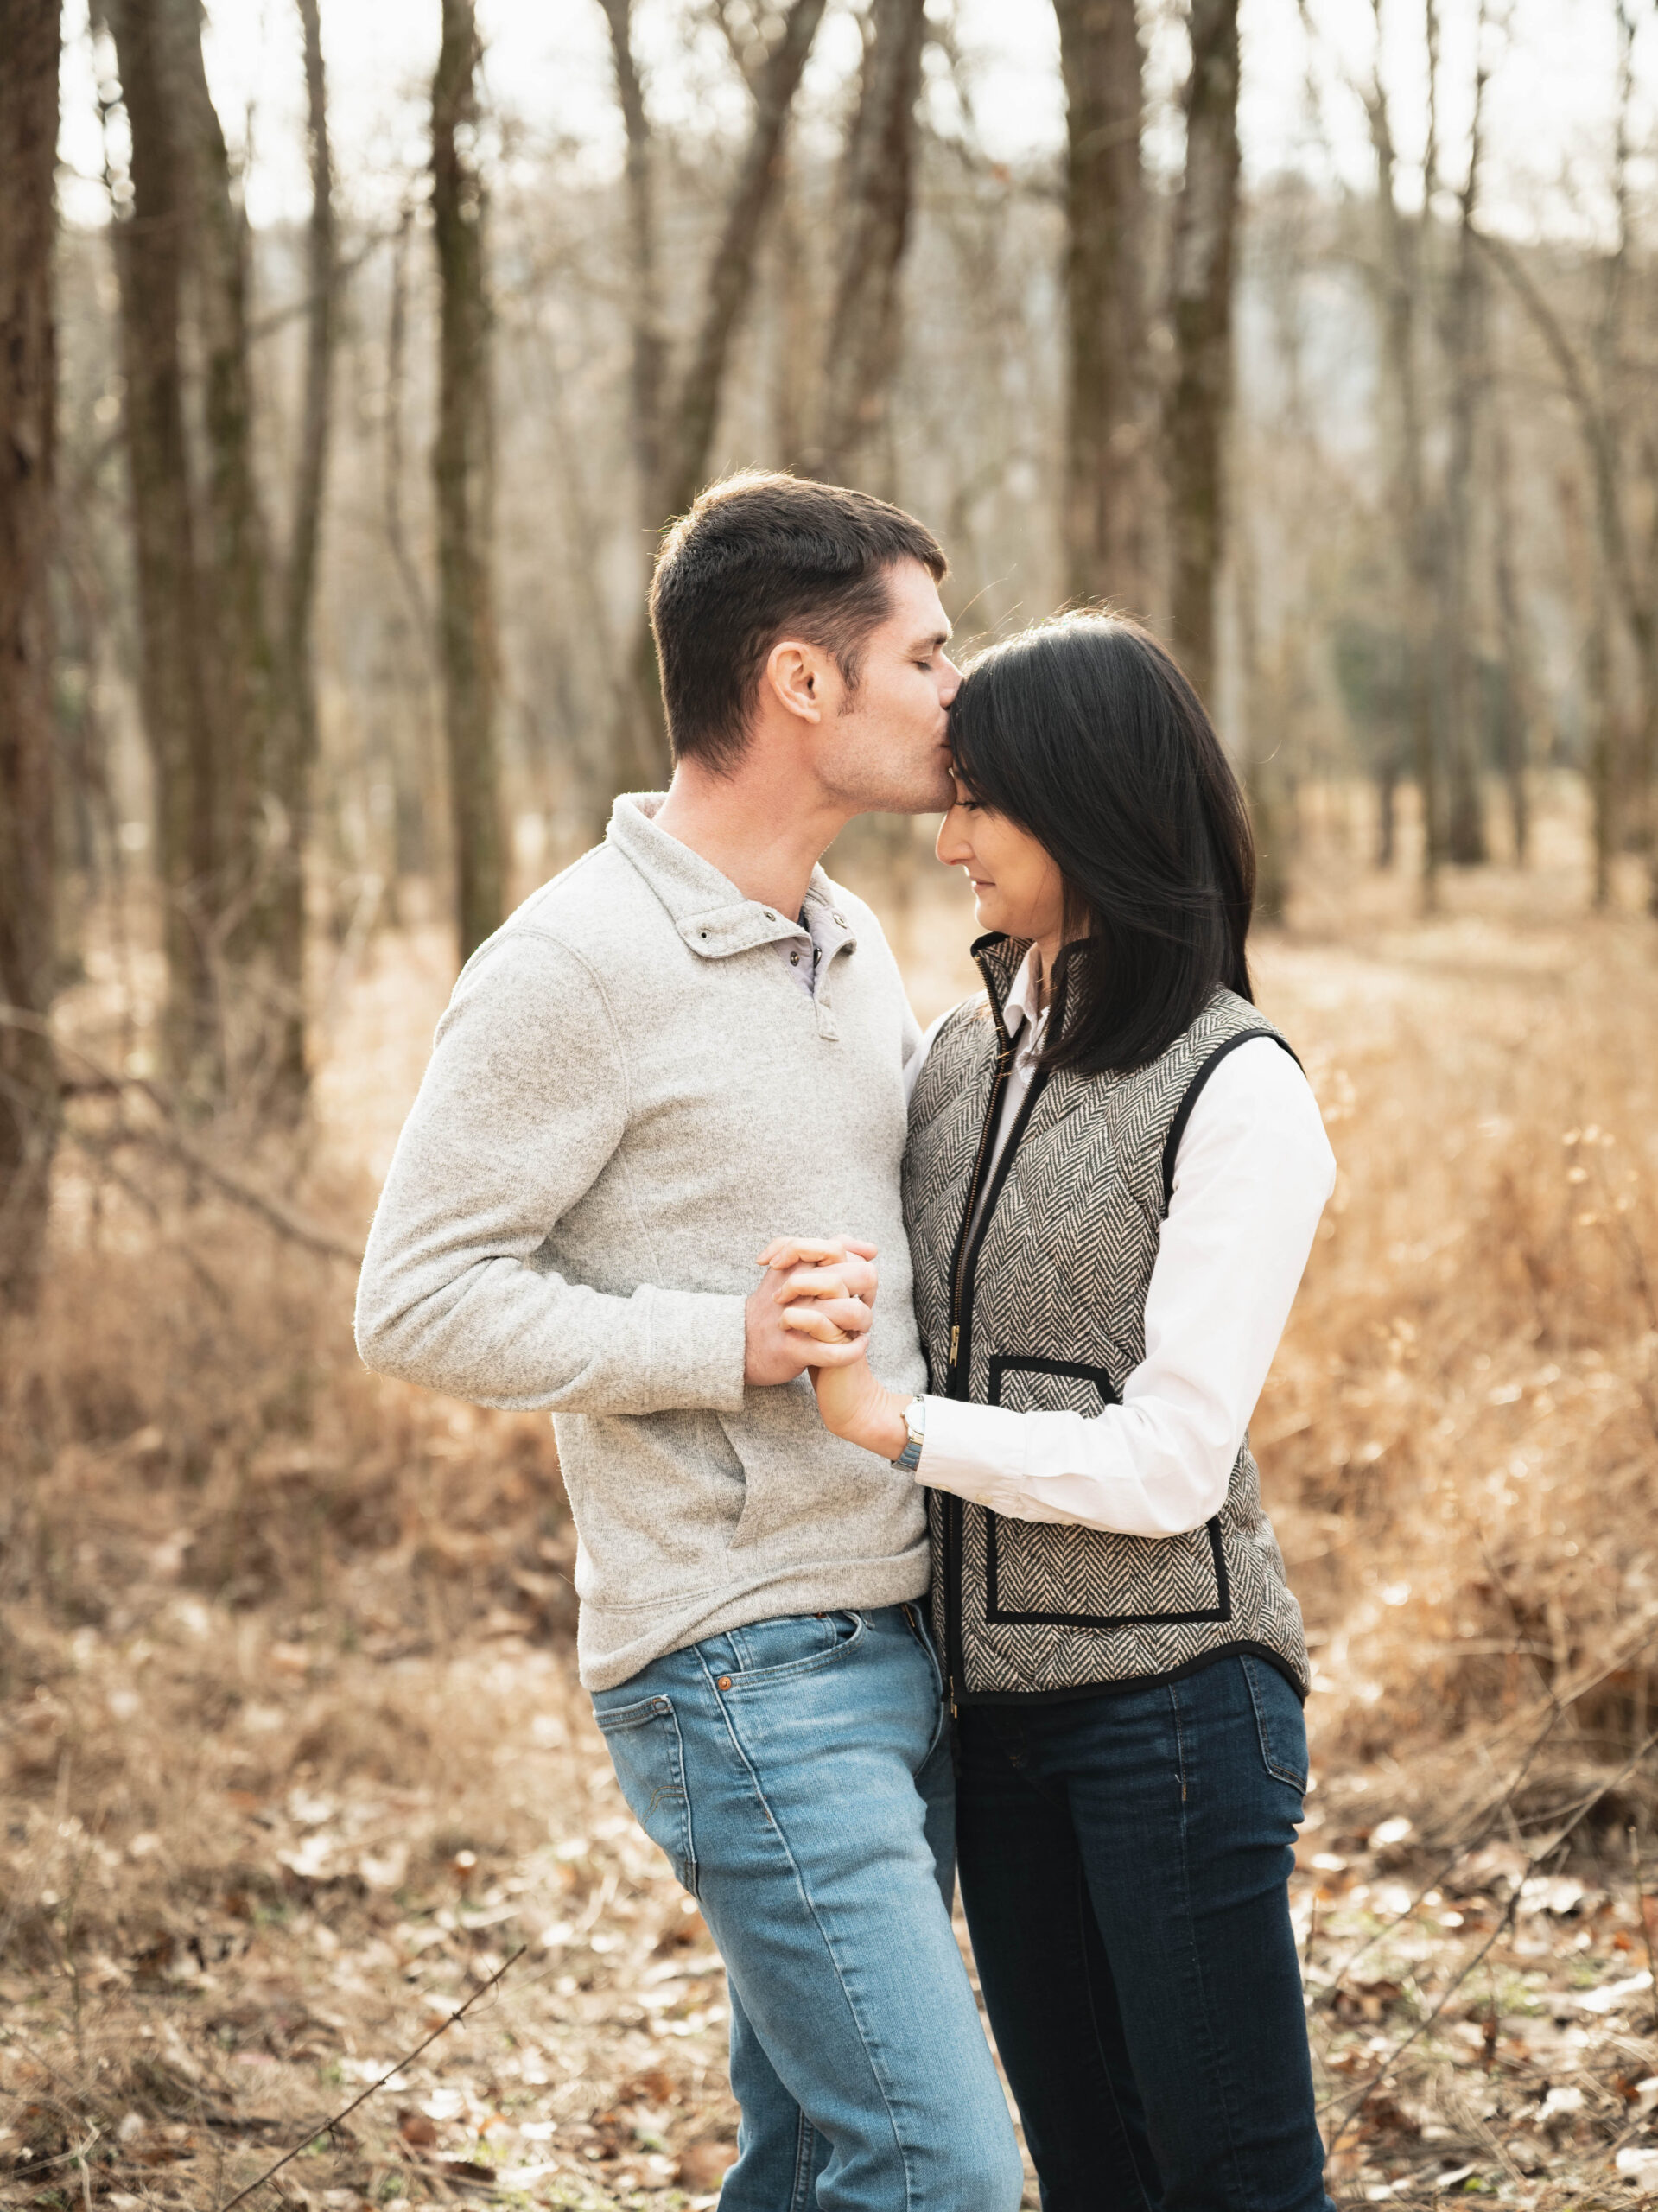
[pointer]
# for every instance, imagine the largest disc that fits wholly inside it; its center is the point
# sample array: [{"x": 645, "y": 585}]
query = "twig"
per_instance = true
[
  {"x": 1510, "y": 1911},
  {"x": 327, "y": 2126},
  {"x": 274, "y": 1212}
]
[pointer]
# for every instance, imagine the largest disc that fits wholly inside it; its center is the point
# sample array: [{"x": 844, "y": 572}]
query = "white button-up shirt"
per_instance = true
[{"x": 1252, "y": 1176}]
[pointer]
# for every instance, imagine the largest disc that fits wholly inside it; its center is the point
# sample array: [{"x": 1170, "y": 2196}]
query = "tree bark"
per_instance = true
[
  {"x": 1200, "y": 401},
  {"x": 862, "y": 350},
  {"x": 151, "y": 242},
  {"x": 28, "y": 1077},
  {"x": 463, "y": 467},
  {"x": 1106, "y": 434}
]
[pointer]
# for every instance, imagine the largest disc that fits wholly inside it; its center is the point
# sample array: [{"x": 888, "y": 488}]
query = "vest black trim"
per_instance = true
[
  {"x": 994, "y": 1611},
  {"x": 1178, "y": 1127},
  {"x": 1244, "y": 1648}
]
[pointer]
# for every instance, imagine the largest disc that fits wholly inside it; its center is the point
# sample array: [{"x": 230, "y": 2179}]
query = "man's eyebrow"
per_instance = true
[{"x": 931, "y": 644}]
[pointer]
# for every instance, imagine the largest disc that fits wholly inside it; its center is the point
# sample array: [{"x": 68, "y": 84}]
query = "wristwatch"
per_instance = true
[{"x": 915, "y": 1419}]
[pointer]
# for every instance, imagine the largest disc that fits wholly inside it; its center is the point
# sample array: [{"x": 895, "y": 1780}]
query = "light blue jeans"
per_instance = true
[{"x": 797, "y": 1774}]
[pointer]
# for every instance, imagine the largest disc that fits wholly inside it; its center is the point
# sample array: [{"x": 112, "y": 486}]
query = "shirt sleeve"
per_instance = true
[
  {"x": 522, "y": 1105},
  {"x": 1253, "y": 1175}
]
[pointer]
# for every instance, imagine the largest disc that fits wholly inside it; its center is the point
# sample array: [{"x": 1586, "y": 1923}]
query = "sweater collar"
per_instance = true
[{"x": 711, "y": 915}]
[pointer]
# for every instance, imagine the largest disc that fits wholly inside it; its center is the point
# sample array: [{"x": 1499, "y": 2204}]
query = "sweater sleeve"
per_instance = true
[
  {"x": 522, "y": 1104},
  {"x": 1253, "y": 1175}
]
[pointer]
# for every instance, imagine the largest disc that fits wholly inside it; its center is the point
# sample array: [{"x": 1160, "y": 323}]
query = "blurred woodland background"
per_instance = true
[{"x": 323, "y": 542}]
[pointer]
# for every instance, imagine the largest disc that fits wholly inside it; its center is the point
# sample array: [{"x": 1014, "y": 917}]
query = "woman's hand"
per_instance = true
[{"x": 853, "y": 1404}]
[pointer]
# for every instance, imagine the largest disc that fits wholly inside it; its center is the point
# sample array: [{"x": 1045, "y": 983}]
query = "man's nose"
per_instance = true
[{"x": 952, "y": 682}]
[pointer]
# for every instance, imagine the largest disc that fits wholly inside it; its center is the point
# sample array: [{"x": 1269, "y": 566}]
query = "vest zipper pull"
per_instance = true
[{"x": 954, "y": 1341}]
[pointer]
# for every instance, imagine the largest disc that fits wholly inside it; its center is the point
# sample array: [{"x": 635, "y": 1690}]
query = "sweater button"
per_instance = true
[
  {"x": 724, "y": 1682},
  {"x": 839, "y": 921}
]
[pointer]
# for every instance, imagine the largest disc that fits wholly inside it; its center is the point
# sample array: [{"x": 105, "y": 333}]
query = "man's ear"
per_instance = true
[{"x": 795, "y": 674}]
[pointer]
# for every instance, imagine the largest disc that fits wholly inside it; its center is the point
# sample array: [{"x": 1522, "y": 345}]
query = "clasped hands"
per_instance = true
[{"x": 812, "y": 1312}]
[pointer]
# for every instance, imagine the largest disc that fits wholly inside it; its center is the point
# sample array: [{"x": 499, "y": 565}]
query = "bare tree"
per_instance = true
[
  {"x": 1200, "y": 298},
  {"x": 1107, "y": 472},
  {"x": 295, "y": 754},
  {"x": 674, "y": 419},
  {"x": 1465, "y": 343},
  {"x": 463, "y": 467},
  {"x": 1399, "y": 284},
  {"x": 1593, "y": 380},
  {"x": 29, "y": 1078},
  {"x": 152, "y": 243},
  {"x": 1519, "y": 702},
  {"x": 875, "y": 222}
]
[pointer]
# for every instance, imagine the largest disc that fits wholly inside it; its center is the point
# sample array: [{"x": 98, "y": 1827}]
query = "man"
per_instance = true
[{"x": 689, "y": 1045}]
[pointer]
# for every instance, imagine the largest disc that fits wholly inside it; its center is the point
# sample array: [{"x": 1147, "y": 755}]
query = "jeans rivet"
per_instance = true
[{"x": 724, "y": 1682}]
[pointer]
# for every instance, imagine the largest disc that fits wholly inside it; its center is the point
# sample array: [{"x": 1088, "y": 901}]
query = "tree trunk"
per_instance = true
[
  {"x": 28, "y": 1076},
  {"x": 463, "y": 467},
  {"x": 151, "y": 239},
  {"x": 295, "y": 752},
  {"x": 682, "y": 437},
  {"x": 1519, "y": 679},
  {"x": 862, "y": 349},
  {"x": 1195, "y": 425},
  {"x": 695, "y": 414},
  {"x": 1401, "y": 283},
  {"x": 1464, "y": 341},
  {"x": 1106, "y": 431},
  {"x": 255, "y": 840}
]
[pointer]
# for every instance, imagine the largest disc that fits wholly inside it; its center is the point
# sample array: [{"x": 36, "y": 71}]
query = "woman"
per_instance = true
[{"x": 1114, "y": 1171}]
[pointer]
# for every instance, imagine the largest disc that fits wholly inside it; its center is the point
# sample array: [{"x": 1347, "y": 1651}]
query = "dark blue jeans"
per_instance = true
[{"x": 1124, "y": 1861}]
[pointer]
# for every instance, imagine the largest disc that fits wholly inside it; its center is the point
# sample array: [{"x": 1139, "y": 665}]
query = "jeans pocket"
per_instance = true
[
  {"x": 648, "y": 1753},
  {"x": 1280, "y": 1722},
  {"x": 765, "y": 1652}
]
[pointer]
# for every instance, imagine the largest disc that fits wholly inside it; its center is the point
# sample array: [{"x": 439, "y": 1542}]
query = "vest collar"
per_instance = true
[
  {"x": 711, "y": 915},
  {"x": 1000, "y": 959}
]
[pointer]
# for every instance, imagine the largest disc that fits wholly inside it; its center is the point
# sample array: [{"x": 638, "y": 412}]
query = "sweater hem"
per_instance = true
[{"x": 845, "y": 1585}]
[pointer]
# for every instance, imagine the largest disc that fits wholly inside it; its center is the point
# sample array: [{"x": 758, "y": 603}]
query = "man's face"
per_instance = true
[{"x": 886, "y": 746}]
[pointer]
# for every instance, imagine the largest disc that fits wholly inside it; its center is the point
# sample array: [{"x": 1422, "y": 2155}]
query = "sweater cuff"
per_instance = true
[{"x": 698, "y": 1344}]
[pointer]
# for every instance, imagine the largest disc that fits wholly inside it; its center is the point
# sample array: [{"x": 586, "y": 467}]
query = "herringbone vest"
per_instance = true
[{"x": 1046, "y": 1309}]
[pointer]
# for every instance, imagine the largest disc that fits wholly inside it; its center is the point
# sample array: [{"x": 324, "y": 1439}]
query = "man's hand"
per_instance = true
[{"x": 826, "y": 1287}]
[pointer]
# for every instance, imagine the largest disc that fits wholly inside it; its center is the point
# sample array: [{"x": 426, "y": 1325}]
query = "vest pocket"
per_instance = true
[{"x": 1059, "y": 1574}]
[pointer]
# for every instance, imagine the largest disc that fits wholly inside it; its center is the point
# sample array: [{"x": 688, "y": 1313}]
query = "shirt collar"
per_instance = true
[
  {"x": 1020, "y": 1005},
  {"x": 707, "y": 910}
]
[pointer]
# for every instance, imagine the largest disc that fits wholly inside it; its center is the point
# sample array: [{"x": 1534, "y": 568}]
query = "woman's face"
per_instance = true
[{"x": 1017, "y": 889}]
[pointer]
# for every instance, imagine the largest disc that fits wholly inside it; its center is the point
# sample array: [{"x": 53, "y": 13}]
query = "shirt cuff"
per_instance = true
[
  {"x": 973, "y": 1451},
  {"x": 698, "y": 1344}
]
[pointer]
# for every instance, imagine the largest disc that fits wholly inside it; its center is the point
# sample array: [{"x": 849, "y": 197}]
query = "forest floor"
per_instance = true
[{"x": 301, "y": 1779}]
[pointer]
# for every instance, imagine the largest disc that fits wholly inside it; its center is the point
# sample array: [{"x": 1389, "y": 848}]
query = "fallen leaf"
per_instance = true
[
  {"x": 416, "y": 2128},
  {"x": 703, "y": 2165}
]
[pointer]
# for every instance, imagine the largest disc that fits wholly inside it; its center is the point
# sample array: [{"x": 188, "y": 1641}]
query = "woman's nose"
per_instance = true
[{"x": 951, "y": 846}]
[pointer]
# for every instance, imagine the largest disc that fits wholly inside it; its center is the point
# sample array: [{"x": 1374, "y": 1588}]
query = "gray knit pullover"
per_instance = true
[{"x": 628, "y": 1098}]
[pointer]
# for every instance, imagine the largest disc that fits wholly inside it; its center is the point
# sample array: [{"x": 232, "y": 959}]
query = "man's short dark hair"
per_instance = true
[{"x": 761, "y": 557}]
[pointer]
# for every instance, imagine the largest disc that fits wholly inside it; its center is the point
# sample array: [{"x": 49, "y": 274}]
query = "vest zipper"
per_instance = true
[{"x": 961, "y": 1313}]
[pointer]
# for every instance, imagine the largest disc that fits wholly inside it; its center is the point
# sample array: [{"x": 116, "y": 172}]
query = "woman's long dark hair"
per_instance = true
[{"x": 1085, "y": 732}]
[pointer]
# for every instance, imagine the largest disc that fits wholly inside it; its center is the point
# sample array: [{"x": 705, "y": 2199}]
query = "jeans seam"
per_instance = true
[
  {"x": 1085, "y": 1904},
  {"x": 1216, "y": 2044},
  {"x": 830, "y": 1952},
  {"x": 805, "y": 2141},
  {"x": 1278, "y": 1772}
]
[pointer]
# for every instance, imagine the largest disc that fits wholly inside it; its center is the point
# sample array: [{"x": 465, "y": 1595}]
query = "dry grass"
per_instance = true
[{"x": 294, "y": 1753}]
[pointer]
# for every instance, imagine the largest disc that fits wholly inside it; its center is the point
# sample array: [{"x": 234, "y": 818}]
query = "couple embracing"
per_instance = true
[{"x": 938, "y": 1549}]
